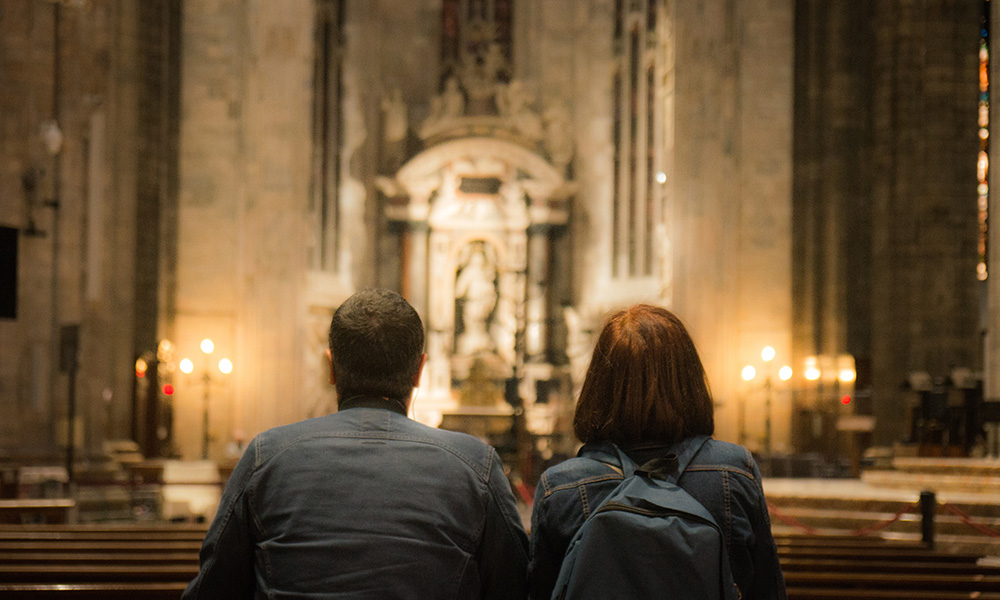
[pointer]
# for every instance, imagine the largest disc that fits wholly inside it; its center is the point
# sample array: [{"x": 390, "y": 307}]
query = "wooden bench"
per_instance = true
[
  {"x": 103, "y": 534},
  {"x": 867, "y": 594},
  {"x": 50, "y": 510},
  {"x": 135, "y": 546},
  {"x": 97, "y": 573},
  {"x": 93, "y": 591},
  {"x": 121, "y": 558},
  {"x": 887, "y": 553},
  {"x": 89, "y": 562},
  {"x": 849, "y": 566},
  {"x": 894, "y": 581},
  {"x": 816, "y": 568}
]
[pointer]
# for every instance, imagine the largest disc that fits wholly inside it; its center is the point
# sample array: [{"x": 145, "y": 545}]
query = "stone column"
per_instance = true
[{"x": 538, "y": 279}]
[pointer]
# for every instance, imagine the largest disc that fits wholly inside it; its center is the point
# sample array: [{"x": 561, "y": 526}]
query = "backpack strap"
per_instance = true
[{"x": 669, "y": 467}]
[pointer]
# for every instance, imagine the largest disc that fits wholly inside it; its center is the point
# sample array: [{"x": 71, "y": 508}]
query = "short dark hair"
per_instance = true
[
  {"x": 376, "y": 341},
  {"x": 645, "y": 383}
]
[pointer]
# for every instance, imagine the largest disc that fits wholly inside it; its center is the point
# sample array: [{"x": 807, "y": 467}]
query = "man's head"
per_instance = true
[{"x": 376, "y": 346}]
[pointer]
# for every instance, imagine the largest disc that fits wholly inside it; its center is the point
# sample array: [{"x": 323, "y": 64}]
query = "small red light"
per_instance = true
[
  {"x": 140, "y": 374},
  {"x": 846, "y": 399},
  {"x": 168, "y": 389}
]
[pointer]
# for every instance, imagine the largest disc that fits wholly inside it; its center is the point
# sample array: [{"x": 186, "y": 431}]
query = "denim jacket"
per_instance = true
[
  {"x": 722, "y": 476},
  {"x": 364, "y": 503}
]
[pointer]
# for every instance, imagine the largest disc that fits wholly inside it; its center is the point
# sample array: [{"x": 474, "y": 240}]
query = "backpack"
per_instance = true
[{"x": 649, "y": 539}]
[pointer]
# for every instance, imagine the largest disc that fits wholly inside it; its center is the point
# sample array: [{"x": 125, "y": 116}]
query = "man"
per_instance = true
[{"x": 366, "y": 503}]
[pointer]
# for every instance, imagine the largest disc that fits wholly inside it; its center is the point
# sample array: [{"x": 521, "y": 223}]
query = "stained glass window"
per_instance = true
[
  {"x": 983, "y": 160},
  {"x": 469, "y": 28}
]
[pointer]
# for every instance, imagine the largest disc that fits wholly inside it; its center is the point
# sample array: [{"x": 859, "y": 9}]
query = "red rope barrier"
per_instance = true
[
  {"x": 968, "y": 521},
  {"x": 880, "y": 526},
  {"x": 791, "y": 521},
  {"x": 527, "y": 494}
]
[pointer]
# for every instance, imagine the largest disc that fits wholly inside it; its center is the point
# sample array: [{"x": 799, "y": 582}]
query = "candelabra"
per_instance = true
[{"x": 225, "y": 367}]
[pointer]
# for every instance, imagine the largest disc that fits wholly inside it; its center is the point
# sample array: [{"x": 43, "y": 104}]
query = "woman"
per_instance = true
[{"x": 645, "y": 391}]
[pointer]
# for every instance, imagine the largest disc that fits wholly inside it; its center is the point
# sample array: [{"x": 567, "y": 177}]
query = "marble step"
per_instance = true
[
  {"x": 972, "y": 481},
  {"x": 847, "y": 506}
]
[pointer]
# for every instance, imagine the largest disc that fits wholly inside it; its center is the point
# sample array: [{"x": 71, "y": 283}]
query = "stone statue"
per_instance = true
[
  {"x": 395, "y": 128},
  {"x": 449, "y": 104},
  {"x": 395, "y": 116},
  {"x": 514, "y": 103},
  {"x": 453, "y": 102},
  {"x": 558, "y": 136},
  {"x": 476, "y": 285}
]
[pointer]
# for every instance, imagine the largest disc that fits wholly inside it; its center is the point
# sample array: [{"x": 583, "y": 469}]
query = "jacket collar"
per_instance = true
[{"x": 395, "y": 405}]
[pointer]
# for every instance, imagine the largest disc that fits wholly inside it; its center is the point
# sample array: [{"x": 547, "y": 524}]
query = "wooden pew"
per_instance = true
[
  {"x": 849, "y": 566},
  {"x": 90, "y": 562},
  {"x": 50, "y": 510},
  {"x": 817, "y": 568},
  {"x": 866, "y": 553},
  {"x": 121, "y": 558},
  {"x": 97, "y": 573},
  {"x": 100, "y": 534},
  {"x": 847, "y": 594},
  {"x": 99, "y": 546},
  {"x": 894, "y": 581},
  {"x": 93, "y": 591}
]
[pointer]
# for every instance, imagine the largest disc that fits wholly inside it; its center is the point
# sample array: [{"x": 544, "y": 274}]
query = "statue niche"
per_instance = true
[{"x": 475, "y": 299}]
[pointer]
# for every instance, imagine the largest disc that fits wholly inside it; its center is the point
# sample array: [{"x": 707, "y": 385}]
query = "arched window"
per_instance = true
[
  {"x": 637, "y": 131},
  {"x": 328, "y": 91}
]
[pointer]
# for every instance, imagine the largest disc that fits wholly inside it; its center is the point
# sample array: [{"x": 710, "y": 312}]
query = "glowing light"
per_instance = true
[
  {"x": 168, "y": 389},
  {"x": 661, "y": 177},
  {"x": 846, "y": 375},
  {"x": 207, "y": 346},
  {"x": 186, "y": 365},
  {"x": 785, "y": 373},
  {"x": 846, "y": 399},
  {"x": 767, "y": 354},
  {"x": 140, "y": 367},
  {"x": 226, "y": 365},
  {"x": 748, "y": 373}
]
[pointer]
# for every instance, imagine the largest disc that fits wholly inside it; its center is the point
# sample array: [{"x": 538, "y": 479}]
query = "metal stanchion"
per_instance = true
[{"x": 928, "y": 504}]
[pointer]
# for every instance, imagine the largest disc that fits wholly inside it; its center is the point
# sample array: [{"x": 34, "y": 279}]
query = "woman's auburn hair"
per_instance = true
[{"x": 645, "y": 383}]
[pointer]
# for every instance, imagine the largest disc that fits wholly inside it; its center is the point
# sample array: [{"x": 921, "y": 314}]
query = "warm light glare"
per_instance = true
[
  {"x": 767, "y": 354},
  {"x": 812, "y": 373},
  {"x": 661, "y": 177},
  {"x": 846, "y": 375},
  {"x": 207, "y": 346},
  {"x": 186, "y": 365},
  {"x": 140, "y": 367},
  {"x": 226, "y": 365},
  {"x": 748, "y": 373},
  {"x": 785, "y": 373}
]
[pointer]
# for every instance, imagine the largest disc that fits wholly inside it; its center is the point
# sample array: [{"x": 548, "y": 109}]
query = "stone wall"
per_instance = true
[
  {"x": 245, "y": 144},
  {"x": 86, "y": 67},
  {"x": 732, "y": 208},
  {"x": 886, "y": 192}
]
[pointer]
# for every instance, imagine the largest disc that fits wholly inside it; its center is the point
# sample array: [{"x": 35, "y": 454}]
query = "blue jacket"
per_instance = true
[
  {"x": 364, "y": 503},
  {"x": 722, "y": 476}
]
